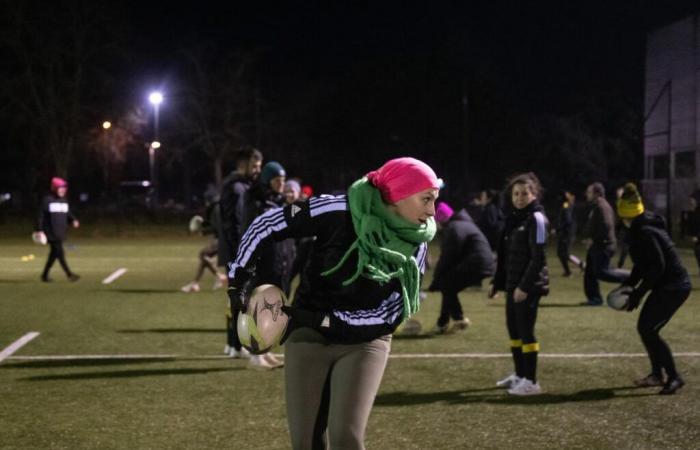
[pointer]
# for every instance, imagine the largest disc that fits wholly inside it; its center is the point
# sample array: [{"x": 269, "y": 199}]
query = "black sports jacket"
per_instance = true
[
  {"x": 656, "y": 262},
  {"x": 521, "y": 254},
  {"x": 361, "y": 311}
]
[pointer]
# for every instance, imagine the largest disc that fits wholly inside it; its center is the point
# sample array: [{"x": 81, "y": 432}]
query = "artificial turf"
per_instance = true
[{"x": 180, "y": 392}]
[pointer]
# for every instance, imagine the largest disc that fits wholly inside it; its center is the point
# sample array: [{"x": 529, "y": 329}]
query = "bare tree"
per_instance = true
[
  {"x": 57, "y": 54},
  {"x": 217, "y": 109}
]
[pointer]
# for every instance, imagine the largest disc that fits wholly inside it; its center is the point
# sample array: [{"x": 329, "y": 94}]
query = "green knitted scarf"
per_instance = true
[{"x": 385, "y": 243}]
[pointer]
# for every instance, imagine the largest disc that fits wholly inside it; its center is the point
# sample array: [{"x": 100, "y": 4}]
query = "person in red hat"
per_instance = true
[{"x": 52, "y": 225}]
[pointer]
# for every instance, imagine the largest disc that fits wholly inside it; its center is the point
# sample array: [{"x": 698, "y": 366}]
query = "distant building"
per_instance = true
[{"x": 672, "y": 115}]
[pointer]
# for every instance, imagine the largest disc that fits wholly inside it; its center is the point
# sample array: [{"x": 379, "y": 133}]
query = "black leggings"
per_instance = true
[
  {"x": 56, "y": 253},
  {"x": 658, "y": 309},
  {"x": 520, "y": 320}
]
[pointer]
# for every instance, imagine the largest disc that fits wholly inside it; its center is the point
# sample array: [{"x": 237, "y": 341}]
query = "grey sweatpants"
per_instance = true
[{"x": 330, "y": 389}]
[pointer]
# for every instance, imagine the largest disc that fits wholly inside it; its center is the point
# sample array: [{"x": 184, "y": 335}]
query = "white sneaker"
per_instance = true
[
  {"x": 463, "y": 324},
  {"x": 525, "y": 387},
  {"x": 259, "y": 362},
  {"x": 190, "y": 287},
  {"x": 233, "y": 353},
  {"x": 272, "y": 359},
  {"x": 509, "y": 382},
  {"x": 243, "y": 353},
  {"x": 220, "y": 281}
]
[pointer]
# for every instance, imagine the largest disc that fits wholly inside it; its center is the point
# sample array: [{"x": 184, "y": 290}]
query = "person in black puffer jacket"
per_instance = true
[
  {"x": 465, "y": 260},
  {"x": 522, "y": 273},
  {"x": 656, "y": 268}
]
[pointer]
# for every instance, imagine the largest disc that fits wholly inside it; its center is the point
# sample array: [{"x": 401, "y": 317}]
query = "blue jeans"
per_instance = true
[{"x": 598, "y": 268}]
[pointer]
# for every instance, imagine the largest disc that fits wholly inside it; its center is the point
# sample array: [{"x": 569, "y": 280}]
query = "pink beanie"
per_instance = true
[
  {"x": 57, "y": 182},
  {"x": 402, "y": 177},
  {"x": 443, "y": 212}
]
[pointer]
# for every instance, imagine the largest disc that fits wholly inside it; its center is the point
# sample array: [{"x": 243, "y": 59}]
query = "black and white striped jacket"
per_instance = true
[{"x": 363, "y": 310}]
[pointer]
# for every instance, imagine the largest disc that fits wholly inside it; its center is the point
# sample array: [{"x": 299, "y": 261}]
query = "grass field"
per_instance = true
[{"x": 168, "y": 386}]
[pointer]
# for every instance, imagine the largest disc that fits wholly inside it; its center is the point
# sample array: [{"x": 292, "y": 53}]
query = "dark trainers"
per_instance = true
[
  {"x": 74, "y": 277},
  {"x": 649, "y": 381},
  {"x": 672, "y": 386},
  {"x": 46, "y": 279}
]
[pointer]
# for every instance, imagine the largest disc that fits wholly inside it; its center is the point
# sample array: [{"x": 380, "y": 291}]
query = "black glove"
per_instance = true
[
  {"x": 634, "y": 299},
  {"x": 239, "y": 290},
  {"x": 299, "y": 318}
]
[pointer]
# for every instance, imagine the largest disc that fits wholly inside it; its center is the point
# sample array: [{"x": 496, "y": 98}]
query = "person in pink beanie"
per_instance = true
[
  {"x": 465, "y": 260},
  {"x": 52, "y": 223},
  {"x": 360, "y": 283}
]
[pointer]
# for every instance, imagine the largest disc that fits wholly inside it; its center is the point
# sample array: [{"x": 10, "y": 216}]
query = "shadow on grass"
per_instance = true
[
  {"x": 560, "y": 305},
  {"x": 412, "y": 337},
  {"x": 174, "y": 330},
  {"x": 83, "y": 362},
  {"x": 143, "y": 291},
  {"x": 128, "y": 374},
  {"x": 499, "y": 396}
]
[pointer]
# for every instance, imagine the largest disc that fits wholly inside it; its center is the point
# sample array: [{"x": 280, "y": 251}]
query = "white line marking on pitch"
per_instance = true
[
  {"x": 116, "y": 274},
  {"x": 19, "y": 343},
  {"x": 396, "y": 356}
]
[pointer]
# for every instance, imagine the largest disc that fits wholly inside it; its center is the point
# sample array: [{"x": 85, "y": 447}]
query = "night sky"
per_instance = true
[{"x": 345, "y": 86}]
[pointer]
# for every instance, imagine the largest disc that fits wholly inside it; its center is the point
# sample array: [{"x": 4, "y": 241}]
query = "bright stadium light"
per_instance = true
[
  {"x": 155, "y": 144},
  {"x": 156, "y": 98},
  {"x": 106, "y": 124}
]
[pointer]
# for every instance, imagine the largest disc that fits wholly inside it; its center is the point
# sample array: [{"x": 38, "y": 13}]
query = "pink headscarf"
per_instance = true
[
  {"x": 443, "y": 212},
  {"x": 402, "y": 177}
]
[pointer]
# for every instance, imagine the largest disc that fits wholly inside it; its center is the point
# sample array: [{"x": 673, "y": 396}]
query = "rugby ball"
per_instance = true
[
  {"x": 264, "y": 323},
  {"x": 196, "y": 224},
  {"x": 617, "y": 298},
  {"x": 39, "y": 238}
]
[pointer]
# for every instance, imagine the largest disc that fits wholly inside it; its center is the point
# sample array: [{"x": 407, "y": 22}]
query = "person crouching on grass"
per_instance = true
[
  {"x": 522, "y": 272},
  {"x": 361, "y": 282},
  {"x": 656, "y": 268}
]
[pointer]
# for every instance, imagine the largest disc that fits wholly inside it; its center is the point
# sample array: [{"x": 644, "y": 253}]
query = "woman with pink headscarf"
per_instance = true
[{"x": 361, "y": 282}]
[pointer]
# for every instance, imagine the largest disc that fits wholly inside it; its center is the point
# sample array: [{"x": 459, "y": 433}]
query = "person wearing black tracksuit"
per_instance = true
[
  {"x": 465, "y": 260},
  {"x": 232, "y": 212},
  {"x": 53, "y": 220},
  {"x": 657, "y": 269},
  {"x": 522, "y": 273},
  {"x": 276, "y": 258}
]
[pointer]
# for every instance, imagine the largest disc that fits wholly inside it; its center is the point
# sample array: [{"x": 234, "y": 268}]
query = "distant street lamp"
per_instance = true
[
  {"x": 106, "y": 124},
  {"x": 156, "y": 98}
]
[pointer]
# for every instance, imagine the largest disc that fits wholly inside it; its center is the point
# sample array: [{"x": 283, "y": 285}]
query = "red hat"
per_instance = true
[
  {"x": 57, "y": 182},
  {"x": 307, "y": 190},
  {"x": 402, "y": 177}
]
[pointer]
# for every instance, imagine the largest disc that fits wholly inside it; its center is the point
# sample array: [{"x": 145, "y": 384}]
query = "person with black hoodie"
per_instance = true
[
  {"x": 232, "y": 212},
  {"x": 52, "y": 222},
  {"x": 522, "y": 273},
  {"x": 656, "y": 269},
  {"x": 465, "y": 260}
]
